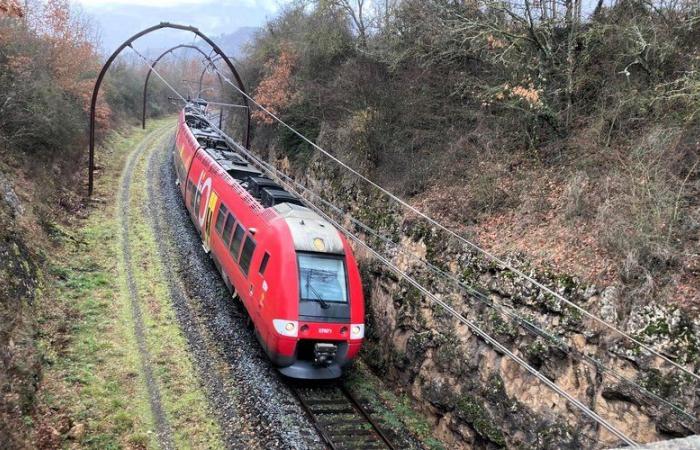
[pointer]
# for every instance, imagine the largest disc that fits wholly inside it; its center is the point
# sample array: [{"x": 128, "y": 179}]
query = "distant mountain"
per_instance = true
[
  {"x": 230, "y": 23},
  {"x": 233, "y": 44}
]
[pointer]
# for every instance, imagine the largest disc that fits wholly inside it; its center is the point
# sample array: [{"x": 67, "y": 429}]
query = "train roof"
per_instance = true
[{"x": 310, "y": 232}]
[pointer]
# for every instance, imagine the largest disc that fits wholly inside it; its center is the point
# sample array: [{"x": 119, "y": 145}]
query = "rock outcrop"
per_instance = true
[{"x": 477, "y": 396}]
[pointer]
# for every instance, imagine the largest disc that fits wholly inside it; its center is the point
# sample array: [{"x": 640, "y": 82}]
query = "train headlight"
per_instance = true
[
  {"x": 286, "y": 327},
  {"x": 357, "y": 331}
]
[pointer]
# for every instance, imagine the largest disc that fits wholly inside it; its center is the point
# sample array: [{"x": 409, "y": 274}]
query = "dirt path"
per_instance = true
[{"x": 163, "y": 429}]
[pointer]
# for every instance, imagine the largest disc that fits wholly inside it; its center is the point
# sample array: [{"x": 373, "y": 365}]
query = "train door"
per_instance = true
[{"x": 208, "y": 220}]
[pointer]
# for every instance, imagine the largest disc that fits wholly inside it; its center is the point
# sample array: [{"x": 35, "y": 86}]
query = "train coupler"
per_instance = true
[{"x": 324, "y": 353}]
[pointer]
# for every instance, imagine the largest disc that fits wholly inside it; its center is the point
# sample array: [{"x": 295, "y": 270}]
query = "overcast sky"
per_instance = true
[{"x": 117, "y": 20}]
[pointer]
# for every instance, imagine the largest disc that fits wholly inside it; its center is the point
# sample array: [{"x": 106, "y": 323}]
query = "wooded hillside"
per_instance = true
[{"x": 564, "y": 130}]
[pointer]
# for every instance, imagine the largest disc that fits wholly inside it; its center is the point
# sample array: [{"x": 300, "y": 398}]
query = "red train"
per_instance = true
[{"x": 293, "y": 271}]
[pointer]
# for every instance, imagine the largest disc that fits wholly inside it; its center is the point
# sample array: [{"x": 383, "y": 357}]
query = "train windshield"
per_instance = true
[{"x": 322, "y": 278}]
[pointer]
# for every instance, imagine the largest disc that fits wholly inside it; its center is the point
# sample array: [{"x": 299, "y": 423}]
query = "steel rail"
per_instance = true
[{"x": 341, "y": 407}]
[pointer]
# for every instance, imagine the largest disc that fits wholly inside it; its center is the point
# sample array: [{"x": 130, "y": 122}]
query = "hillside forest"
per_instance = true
[{"x": 564, "y": 131}]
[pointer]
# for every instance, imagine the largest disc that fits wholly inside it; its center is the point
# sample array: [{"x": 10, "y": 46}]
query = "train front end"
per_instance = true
[{"x": 328, "y": 326}]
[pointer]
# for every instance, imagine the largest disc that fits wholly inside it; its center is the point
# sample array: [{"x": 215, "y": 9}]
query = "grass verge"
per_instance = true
[{"x": 93, "y": 394}]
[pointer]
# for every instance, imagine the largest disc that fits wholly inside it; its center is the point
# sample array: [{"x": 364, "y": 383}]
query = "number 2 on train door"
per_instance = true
[{"x": 210, "y": 212}]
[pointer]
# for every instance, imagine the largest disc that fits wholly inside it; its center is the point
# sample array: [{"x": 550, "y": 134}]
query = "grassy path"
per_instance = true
[
  {"x": 163, "y": 430},
  {"x": 120, "y": 375}
]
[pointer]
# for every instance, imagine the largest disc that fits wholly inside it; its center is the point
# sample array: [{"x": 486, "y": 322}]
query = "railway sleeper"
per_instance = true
[
  {"x": 326, "y": 401},
  {"x": 352, "y": 436},
  {"x": 334, "y": 423},
  {"x": 361, "y": 445},
  {"x": 345, "y": 410}
]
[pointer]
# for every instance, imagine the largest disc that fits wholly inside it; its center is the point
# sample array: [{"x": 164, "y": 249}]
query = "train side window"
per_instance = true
[
  {"x": 263, "y": 263},
  {"x": 247, "y": 254},
  {"x": 191, "y": 190},
  {"x": 228, "y": 226},
  {"x": 220, "y": 218},
  {"x": 236, "y": 241},
  {"x": 197, "y": 199}
]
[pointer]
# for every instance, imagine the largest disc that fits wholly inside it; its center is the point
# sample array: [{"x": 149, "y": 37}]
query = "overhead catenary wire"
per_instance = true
[
  {"x": 459, "y": 237},
  {"x": 503, "y": 309},
  {"x": 472, "y": 326},
  {"x": 229, "y": 105},
  {"x": 525, "y": 323},
  {"x": 150, "y": 64}
]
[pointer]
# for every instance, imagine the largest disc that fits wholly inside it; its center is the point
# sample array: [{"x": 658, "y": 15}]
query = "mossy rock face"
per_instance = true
[
  {"x": 665, "y": 386},
  {"x": 375, "y": 357},
  {"x": 418, "y": 344},
  {"x": 439, "y": 394},
  {"x": 449, "y": 355},
  {"x": 536, "y": 351},
  {"x": 471, "y": 410},
  {"x": 422, "y": 329},
  {"x": 408, "y": 305},
  {"x": 20, "y": 365},
  {"x": 668, "y": 328},
  {"x": 501, "y": 327}
]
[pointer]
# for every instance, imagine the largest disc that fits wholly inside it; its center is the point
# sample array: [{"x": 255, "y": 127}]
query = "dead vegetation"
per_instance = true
[{"x": 545, "y": 128}]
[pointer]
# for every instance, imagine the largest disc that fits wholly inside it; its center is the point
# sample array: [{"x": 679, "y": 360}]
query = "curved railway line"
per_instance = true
[
  {"x": 340, "y": 420},
  {"x": 254, "y": 406}
]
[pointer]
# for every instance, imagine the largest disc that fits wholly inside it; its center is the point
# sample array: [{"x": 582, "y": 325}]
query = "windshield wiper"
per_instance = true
[{"x": 323, "y": 303}]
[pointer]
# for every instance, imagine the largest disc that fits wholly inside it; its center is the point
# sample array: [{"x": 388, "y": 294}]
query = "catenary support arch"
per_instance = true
[
  {"x": 155, "y": 62},
  {"x": 113, "y": 56}
]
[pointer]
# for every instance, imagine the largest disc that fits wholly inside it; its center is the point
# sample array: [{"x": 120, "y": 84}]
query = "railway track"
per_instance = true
[{"x": 339, "y": 418}]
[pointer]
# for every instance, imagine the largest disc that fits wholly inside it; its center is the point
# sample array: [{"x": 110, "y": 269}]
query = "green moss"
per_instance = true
[
  {"x": 440, "y": 313},
  {"x": 378, "y": 217},
  {"x": 500, "y": 326},
  {"x": 447, "y": 351},
  {"x": 420, "y": 231},
  {"x": 475, "y": 414},
  {"x": 395, "y": 412},
  {"x": 536, "y": 350},
  {"x": 573, "y": 318},
  {"x": 658, "y": 327},
  {"x": 468, "y": 274},
  {"x": 665, "y": 386},
  {"x": 418, "y": 343},
  {"x": 507, "y": 274},
  {"x": 567, "y": 282},
  {"x": 551, "y": 303}
]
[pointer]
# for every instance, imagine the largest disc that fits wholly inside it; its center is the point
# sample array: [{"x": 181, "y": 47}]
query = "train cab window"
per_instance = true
[
  {"x": 228, "y": 226},
  {"x": 236, "y": 241},
  {"x": 220, "y": 218},
  {"x": 247, "y": 254},
  {"x": 263, "y": 263},
  {"x": 322, "y": 278}
]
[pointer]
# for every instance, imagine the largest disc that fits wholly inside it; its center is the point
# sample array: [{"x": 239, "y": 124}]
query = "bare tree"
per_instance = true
[{"x": 355, "y": 9}]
